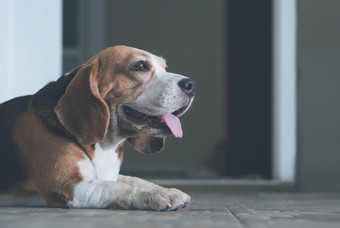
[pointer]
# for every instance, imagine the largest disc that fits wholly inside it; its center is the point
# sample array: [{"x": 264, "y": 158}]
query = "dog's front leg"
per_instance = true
[
  {"x": 108, "y": 194},
  {"x": 135, "y": 181},
  {"x": 178, "y": 198}
]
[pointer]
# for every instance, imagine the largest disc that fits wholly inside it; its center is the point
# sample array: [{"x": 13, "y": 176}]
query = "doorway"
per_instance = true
[{"x": 226, "y": 49}]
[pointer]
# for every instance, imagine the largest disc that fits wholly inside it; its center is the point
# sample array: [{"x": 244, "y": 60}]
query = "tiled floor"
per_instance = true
[{"x": 208, "y": 209}]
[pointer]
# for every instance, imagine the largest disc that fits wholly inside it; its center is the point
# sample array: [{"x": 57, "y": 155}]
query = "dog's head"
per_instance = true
[{"x": 128, "y": 93}]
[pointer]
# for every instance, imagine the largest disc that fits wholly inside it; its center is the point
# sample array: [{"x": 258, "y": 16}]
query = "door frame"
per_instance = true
[{"x": 284, "y": 91}]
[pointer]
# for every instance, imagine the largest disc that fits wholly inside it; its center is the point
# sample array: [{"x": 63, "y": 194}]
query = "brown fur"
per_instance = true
[
  {"x": 81, "y": 110},
  {"x": 114, "y": 63},
  {"x": 50, "y": 160},
  {"x": 120, "y": 151}
]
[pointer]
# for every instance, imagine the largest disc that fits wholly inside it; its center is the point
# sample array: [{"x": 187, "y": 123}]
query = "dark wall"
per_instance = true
[
  {"x": 318, "y": 95},
  {"x": 190, "y": 36}
]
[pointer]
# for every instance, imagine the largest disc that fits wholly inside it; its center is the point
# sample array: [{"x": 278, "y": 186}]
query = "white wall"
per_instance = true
[{"x": 30, "y": 44}]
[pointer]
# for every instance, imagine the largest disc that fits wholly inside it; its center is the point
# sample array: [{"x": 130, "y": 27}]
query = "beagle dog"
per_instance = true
[{"x": 66, "y": 141}]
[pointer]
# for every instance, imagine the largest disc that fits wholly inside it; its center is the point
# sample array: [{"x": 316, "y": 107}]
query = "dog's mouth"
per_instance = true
[{"x": 167, "y": 122}]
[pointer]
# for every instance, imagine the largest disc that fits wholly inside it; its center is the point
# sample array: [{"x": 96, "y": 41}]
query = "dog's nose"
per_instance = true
[{"x": 188, "y": 86}]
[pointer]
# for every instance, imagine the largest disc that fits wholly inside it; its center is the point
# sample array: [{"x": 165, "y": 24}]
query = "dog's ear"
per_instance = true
[
  {"x": 147, "y": 144},
  {"x": 82, "y": 110}
]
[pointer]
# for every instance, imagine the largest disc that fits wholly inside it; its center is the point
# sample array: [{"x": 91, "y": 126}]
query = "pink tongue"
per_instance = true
[{"x": 174, "y": 124}]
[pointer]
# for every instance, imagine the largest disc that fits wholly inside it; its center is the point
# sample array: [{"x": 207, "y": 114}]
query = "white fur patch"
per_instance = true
[
  {"x": 101, "y": 194},
  {"x": 162, "y": 95},
  {"x": 106, "y": 163},
  {"x": 86, "y": 168}
]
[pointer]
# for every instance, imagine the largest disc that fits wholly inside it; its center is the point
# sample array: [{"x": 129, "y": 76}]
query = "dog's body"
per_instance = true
[{"x": 65, "y": 142}]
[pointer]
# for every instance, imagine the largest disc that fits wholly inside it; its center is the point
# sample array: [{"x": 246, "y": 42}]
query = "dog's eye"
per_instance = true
[{"x": 140, "y": 66}]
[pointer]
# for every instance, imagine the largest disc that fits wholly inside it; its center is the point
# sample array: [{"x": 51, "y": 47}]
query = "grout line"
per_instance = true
[{"x": 239, "y": 221}]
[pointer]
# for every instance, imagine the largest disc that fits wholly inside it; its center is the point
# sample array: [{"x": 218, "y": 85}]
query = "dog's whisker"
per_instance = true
[{"x": 148, "y": 114}]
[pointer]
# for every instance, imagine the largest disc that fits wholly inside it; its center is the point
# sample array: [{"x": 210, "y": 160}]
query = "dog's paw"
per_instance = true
[
  {"x": 179, "y": 199},
  {"x": 161, "y": 199}
]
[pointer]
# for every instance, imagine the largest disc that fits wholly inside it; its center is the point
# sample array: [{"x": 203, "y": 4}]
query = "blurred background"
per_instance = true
[{"x": 267, "y": 74}]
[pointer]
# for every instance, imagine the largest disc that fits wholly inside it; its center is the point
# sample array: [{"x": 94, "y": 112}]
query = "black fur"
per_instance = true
[
  {"x": 12, "y": 170},
  {"x": 11, "y": 167},
  {"x": 45, "y": 100}
]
